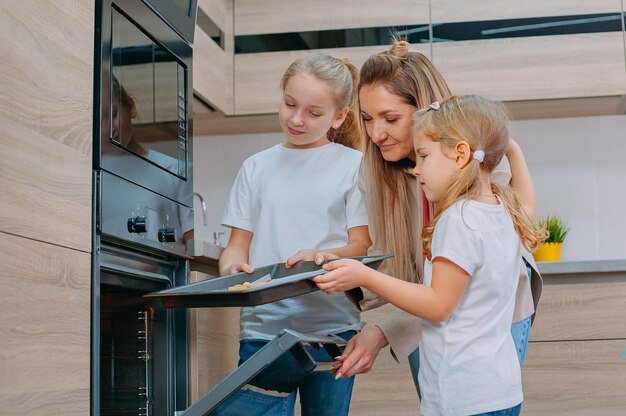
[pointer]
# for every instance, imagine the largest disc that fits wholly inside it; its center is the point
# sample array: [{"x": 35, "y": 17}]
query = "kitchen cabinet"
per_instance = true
[
  {"x": 213, "y": 65},
  {"x": 214, "y": 342},
  {"x": 540, "y": 76},
  {"x": 45, "y": 214}
]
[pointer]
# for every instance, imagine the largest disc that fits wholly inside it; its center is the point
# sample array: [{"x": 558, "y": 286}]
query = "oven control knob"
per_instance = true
[
  {"x": 167, "y": 235},
  {"x": 136, "y": 225}
]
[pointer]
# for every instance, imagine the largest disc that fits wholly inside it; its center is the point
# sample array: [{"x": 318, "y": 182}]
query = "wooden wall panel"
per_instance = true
[
  {"x": 46, "y": 118},
  {"x": 45, "y": 187},
  {"x": 254, "y": 17},
  {"x": 535, "y": 68},
  {"x": 258, "y": 75},
  {"x": 579, "y": 308},
  {"x": 476, "y": 10},
  {"x": 44, "y": 328},
  {"x": 388, "y": 388},
  {"x": 214, "y": 342},
  {"x": 575, "y": 378},
  {"x": 47, "y": 68}
]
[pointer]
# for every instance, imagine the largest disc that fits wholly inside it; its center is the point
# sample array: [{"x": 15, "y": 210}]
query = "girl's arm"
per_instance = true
[
  {"x": 521, "y": 181},
  {"x": 234, "y": 258},
  {"x": 358, "y": 243},
  {"x": 434, "y": 303}
]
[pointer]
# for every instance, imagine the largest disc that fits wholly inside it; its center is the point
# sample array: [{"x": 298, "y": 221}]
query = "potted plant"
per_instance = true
[{"x": 550, "y": 249}]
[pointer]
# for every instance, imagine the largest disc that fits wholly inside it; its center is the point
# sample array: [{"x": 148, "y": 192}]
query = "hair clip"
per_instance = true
[
  {"x": 479, "y": 155},
  {"x": 435, "y": 106}
]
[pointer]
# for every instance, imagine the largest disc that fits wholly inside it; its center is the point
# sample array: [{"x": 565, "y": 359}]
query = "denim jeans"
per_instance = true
[
  {"x": 512, "y": 411},
  {"x": 320, "y": 393}
]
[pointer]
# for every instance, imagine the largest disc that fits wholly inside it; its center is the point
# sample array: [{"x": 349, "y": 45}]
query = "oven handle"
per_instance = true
[{"x": 129, "y": 271}]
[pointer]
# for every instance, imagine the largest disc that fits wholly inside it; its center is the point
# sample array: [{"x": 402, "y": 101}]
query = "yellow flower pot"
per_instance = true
[{"x": 549, "y": 252}]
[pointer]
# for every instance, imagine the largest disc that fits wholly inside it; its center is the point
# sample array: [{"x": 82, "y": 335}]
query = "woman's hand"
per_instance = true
[
  {"x": 343, "y": 275},
  {"x": 360, "y": 353},
  {"x": 310, "y": 255}
]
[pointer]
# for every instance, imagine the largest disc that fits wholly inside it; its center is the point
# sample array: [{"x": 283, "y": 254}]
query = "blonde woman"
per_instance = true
[{"x": 392, "y": 86}]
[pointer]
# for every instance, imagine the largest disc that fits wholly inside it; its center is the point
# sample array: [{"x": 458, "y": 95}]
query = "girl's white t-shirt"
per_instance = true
[
  {"x": 468, "y": 364},
  {"x": 293, "y": 199}
]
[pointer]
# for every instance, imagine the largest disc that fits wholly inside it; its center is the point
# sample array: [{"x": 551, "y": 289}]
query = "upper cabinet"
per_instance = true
[
  {"x": 560, "y": 52},
  {"x": 532, "y": 51},
  {"x": 213, "y": 57}
]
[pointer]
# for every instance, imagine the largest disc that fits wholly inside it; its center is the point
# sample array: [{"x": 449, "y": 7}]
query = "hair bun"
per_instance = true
[{"x": 400, "y": 48}]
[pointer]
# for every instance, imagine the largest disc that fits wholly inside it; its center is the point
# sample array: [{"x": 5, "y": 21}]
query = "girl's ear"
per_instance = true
[
  {"x": 341, "y": 116},
  {"x": 462, "y": 152}
]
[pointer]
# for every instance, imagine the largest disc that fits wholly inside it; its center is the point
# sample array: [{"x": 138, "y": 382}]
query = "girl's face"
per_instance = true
[
  {"x": 435, "y": 165},
  {"x": 121, "y": 121},
  {"x": 388, "y": 121},
  {"x": 307, "y": 111}
]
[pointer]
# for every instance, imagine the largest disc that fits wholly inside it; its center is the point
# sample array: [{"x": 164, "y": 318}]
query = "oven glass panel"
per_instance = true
[{"x": 148, "y": 98}]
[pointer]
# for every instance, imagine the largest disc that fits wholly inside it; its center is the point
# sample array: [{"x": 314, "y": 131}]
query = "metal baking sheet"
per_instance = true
[
  {"x": 285, "y": 283},
  {"x": 266, "y": 365}
]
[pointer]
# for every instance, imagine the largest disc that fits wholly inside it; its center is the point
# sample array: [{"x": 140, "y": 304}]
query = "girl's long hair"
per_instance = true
[
  {"x": 395, "y": 202},
  {"x": 482, "y": 123},
  {"x": 342, "y": 77}
]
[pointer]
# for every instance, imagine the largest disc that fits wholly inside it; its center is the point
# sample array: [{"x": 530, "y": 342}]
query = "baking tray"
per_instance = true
[
  {"x": 284, "y": 358},
  {"x": 285, "y": 283}
]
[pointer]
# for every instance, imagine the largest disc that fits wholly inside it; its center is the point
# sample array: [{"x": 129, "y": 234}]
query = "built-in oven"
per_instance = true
[
  {"x": 142, "y": 204},
  {"x": 143, "y": 92}
]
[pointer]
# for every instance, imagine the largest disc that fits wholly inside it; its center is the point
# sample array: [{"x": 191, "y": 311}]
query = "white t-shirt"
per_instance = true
[
  {"x": 468, "y": 364},
  {"x": 293, "y": 199}
]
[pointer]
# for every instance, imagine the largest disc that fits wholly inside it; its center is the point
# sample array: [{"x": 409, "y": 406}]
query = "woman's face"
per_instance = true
[{"x": 388, "y": 121}]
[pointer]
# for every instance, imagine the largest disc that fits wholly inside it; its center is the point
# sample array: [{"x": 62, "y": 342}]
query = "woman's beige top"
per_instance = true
[{"x": 403, "y": 329}]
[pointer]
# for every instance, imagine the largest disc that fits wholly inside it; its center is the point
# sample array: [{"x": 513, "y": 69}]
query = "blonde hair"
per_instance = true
[
  {"x": 481, "y": 123},
  {"x": 342, "y": 77},
  {"x": 395, "y": 218}
]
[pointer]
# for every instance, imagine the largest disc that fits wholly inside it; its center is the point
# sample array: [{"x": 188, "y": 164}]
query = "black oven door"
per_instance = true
[{"x": 140, "y": 363}]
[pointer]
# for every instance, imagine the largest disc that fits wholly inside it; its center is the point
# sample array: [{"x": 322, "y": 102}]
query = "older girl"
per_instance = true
[{"x": 303, "y": 193}]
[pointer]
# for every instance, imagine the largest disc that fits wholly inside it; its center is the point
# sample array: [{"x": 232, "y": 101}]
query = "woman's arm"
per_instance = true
[
  {"x": 434, "y": 303},
  {"x": 521, "y": 180},
  {"x": 234, "y": 258},
  {"x": 358, "y": 243}
]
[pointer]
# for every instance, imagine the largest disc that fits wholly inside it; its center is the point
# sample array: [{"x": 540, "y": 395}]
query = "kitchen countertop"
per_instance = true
[
  {"x": 204, "y": 256},
  {"x": 582, "y": 267}
]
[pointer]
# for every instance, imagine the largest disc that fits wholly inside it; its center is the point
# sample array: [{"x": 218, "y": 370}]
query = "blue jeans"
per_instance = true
[
  {"x": 320, "y": 393},
  {"x": 512, "y": 411}
]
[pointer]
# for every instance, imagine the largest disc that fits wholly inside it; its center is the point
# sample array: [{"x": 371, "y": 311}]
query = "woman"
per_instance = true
[{"x": 393, "y": 84}]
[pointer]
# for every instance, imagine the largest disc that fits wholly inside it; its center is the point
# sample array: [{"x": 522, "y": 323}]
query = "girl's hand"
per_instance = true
[
  {"x": 310, "y": 255},
  {"x": 236, "y": 268},
  {"x": 343, "y": 275},
  {"x": 360, "y": 353}
]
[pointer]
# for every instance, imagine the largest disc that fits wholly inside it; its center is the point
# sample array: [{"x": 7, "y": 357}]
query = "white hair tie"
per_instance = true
[
  {"x": 479, "y": 155},
  {"x": 435, "y": 106}
]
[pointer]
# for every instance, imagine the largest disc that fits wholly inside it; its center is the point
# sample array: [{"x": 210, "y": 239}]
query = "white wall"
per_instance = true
[
  {"x": 579, "y": 170},
  {"x": 578, "y": 166}
]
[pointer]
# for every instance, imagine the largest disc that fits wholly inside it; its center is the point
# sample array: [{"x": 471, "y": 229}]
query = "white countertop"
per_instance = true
[{"x": 584, "y": 266}]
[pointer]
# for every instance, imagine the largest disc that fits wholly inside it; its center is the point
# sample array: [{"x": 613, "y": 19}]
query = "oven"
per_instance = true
[{"x": 143, "y": 186}]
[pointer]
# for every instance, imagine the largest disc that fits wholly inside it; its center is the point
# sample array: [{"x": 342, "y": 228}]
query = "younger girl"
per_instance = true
[
  {"x": 473, "y": 250},
  {"x": 303, "y": 194}
]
